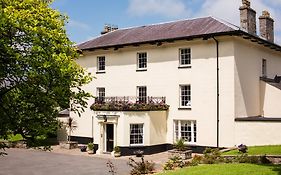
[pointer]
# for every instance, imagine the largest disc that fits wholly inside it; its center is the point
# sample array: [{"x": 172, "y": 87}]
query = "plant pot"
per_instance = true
[
  {"x": 83, "y": 148},
  {"x": 90, "y": 151},
  {"x": 187, "y": 154},
  {"x": 117, "y": 154},
  {"x": 139, "y": 153},
  {"x": 69, "y": 145}
]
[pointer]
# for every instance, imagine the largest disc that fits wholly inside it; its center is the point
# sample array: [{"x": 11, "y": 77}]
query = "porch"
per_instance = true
[{"x": 131, "y": 131}]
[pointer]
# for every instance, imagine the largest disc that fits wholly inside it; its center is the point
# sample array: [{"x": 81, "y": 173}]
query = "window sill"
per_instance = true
[
  {"x": 185, "y": 108},
  {"x": 141, "y": 70},
  {"x": 100, "y": 72},
  {"x": 191, "y": 143},
  {"x": 136, "y": 145},
  {"x": 185, "y": 67}
]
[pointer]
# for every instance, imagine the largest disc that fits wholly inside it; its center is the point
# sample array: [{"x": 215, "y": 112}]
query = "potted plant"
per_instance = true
[
  {"x": 83, "y": 148},
  {"x": 181, "y": 150},
  {"x": 117, "y": 151},
  {"x": 90, "y": 148}
]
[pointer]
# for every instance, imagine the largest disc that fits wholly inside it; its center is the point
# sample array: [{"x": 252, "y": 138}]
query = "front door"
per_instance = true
[{"x": 109, "y": 137}]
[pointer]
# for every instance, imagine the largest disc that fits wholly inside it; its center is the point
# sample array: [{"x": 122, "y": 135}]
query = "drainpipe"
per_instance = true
[
  {"x": 92, "y": 129},
  {"x": 218, "y": 90}
]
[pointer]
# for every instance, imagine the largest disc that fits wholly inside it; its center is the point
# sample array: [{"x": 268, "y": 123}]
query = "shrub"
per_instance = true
[
  {"x": 169, "y": 165},
  {"x": 212, "y": 156},
  {"x": 196, "y": 160},
  {"x": 142, "y": 167},
  {"x": 174, "y": 162}
]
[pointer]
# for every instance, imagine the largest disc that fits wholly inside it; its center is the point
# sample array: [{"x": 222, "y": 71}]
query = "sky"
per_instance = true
[{"x": 88, "y": 17}]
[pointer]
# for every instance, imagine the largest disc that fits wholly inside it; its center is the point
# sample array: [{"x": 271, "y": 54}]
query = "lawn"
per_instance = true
[
  {"x": 259, "y": 150},
  {"x": 228, "y": 169},
  {"x": 13, "y": 138}
]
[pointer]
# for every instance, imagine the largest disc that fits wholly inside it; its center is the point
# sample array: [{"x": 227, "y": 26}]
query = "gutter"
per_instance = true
[
  {"x": 218, "y": 91},
  {"x": 239, "y": 33}
]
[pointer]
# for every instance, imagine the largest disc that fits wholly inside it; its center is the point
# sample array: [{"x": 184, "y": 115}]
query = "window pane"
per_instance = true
[
  {"x": 185, "y": 97},
  {"x": 185, "y": 56},
  {"x": 142, "y": 60},
  {"x": 101, "y": 94},
  {"x": 101, "y": 63},
  {"x": 142, "y": 94},
  {"x": 187, "y": 132},
  {"x": 136, "y": 134}
]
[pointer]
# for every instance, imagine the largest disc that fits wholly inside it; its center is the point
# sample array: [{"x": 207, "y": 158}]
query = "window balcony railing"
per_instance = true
[{"x": 127, "y": 103}]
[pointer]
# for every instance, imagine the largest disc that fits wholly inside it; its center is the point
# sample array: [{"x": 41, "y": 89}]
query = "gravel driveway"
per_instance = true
[{"x": 32, "y": 162}]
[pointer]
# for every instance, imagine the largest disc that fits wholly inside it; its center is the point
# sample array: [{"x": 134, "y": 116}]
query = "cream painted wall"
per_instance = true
[
  {"x": 248, "y": 63},
  {"x": 163, "y": 78},
  {"x": 257, "y": 133},
  {"x": 270, "y": 100},
  {"x": 240, "y": 69},
  {"x": 154, "y": 123},
  {"x": 158, "y": 127}
]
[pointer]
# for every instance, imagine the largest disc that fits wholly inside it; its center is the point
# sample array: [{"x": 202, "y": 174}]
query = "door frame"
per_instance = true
[
  {"x": 103, "y": 119},
  {"x": 105, "y": 136}
]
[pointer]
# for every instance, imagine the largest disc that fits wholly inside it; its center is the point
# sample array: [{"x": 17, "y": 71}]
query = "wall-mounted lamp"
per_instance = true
[{"x": 104, "y": 118}]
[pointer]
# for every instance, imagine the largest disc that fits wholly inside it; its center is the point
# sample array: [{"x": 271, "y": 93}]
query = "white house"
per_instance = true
[{"x": 204, "y": 80}]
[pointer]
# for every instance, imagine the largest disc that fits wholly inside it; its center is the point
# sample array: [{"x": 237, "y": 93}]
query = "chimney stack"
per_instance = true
[
  {"x": 248, "y": 17},
  {"x": 266, "y": 26},
  {"x": 109, "y": 28}
]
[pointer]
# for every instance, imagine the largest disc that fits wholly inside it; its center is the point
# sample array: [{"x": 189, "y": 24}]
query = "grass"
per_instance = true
[
  {"x": 14, "y": 138},
  {"x": 259, "y": 150},
  {"x": 228, "y": 169}
]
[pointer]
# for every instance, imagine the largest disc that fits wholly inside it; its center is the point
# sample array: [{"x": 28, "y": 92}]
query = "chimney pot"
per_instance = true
[{"x": 246, "y": 3}]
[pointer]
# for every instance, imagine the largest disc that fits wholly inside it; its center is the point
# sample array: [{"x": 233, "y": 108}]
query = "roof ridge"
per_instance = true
[
  {"x": 134, "y": 27},
  {"x": 167, "y": 22},
  {"x": 233, "y": 26}
]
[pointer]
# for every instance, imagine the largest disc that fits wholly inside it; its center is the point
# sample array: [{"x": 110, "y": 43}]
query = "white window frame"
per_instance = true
[
  {"x": 139, "y": 54},
  {"x": 264, "y": 68},
  {"x": 99, "y": 64},
  {"x": 136, "y": 144},
  {"x": 186, "y": 56},
  {"x": 100, "y": 94},
  {"x": 188, "y": 105},
  {"x": 140, "y": 96},
  {"x": 178, "y": 130}
]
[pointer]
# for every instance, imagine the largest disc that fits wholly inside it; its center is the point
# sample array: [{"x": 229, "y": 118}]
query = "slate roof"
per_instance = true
[
  {"x": 64, "y": 113},
  {"x": 158, "y": 32}
]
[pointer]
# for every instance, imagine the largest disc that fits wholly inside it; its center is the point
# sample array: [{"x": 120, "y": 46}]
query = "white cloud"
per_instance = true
[
  {"x": 228, "y": 10},
  {"x": 78, "y": 25},
  {"x": 224, "y": 9},
  {"x": 167, "y": 8}
]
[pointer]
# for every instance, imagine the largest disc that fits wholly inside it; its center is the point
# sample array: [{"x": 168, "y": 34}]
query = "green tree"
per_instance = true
[{"x": 38, "y": 73}]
